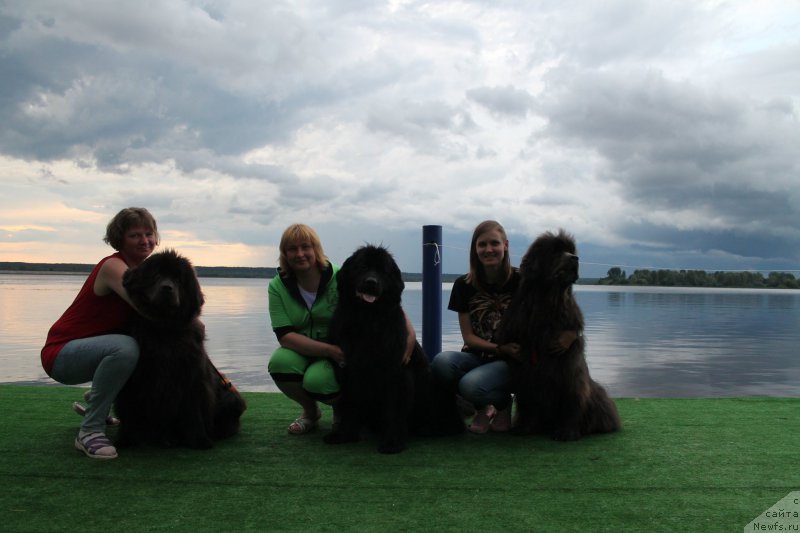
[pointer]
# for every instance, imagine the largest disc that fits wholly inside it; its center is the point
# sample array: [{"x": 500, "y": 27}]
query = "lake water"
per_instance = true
[{"x": 641, "y": 341}]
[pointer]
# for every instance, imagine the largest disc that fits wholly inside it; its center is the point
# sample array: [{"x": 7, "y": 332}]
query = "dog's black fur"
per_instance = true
[
  {"x": 379, "y": 392},
  {"x": 175, "y": 396},
  {"x": 554, "y": 392}
]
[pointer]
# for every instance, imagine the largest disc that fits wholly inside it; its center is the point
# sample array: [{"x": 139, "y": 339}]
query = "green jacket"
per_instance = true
[{"x": 288, "y": 311}]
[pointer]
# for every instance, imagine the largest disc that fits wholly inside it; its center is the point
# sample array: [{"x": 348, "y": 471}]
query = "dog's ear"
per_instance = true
[
  {"x": 530, "y": 266},
  {"x": 199, "y": 297},
  {"x": 191, "y": 288},
  {"x": 127, "y": 278},
  {"x": 191, "y": 295},
  {"x": 132, "y": 277},
  {"x": 394, "y": 269},
  {"x": 343, "y": 278},
  {"x": 535, "y": 267}
]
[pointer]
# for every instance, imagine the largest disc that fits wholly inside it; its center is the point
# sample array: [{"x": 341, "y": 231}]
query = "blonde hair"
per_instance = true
[
  {"x": 130, "y": 217},
  {"x": 476, "y": 276},
  {"x": 298, "y": 233}
]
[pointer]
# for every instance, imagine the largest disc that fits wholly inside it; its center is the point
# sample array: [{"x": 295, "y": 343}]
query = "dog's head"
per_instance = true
[
  {"x": 551, "y": 260},
  {"x": 370, "y": 277},
  {"x": 165, "y": 288}
]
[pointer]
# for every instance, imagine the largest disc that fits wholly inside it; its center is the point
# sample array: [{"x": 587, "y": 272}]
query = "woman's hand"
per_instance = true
[
  {"x": 312, "y": 347},
  {"x": 335, "y": 354},
  {"x": 565, "y": 339},
  {"x": 411, "y": 340},
  {"x": 508, "y": 351}
]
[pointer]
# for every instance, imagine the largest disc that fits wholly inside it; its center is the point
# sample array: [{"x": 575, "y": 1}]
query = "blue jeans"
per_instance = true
[
  {"x": 478, "y": 382},
  {"x": 107, "y": 361}
]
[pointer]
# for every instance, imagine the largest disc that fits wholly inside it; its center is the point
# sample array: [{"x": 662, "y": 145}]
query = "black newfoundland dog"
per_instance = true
[
  {"x": 380, "y": 391},
  {"x": 554, "y": 392},
  {"x": 175, "y": 397}
]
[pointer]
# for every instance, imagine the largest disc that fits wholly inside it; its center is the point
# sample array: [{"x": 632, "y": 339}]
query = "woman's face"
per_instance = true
[
  {"x": 138, "y": 244},
  {"x": 301, "y": 256},
  {"x": 491, "y": 248}
]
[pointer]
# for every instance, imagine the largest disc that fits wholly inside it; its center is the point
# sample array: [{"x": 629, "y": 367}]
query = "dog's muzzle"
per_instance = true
[
  {"x": 567, "y": 271},
  {"x": 166, "y": 293},
  {"x": 369, "y": 290}
]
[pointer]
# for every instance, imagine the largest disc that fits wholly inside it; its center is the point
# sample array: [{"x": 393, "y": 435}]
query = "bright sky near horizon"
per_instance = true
[{"x": 661, "y": 134}]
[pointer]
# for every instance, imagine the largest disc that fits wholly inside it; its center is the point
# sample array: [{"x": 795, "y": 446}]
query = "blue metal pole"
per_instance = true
[{"x": 432, "y": 290}]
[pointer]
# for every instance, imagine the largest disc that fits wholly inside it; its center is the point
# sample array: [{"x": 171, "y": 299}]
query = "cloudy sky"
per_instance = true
[{"x": 662, "y": 134}]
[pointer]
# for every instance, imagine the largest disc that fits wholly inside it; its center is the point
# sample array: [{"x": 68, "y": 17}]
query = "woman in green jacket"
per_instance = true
[{"x": 302, "y": 299}]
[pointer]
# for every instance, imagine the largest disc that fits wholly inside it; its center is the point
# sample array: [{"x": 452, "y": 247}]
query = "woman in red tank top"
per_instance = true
[{"x": 90, "y": 341}]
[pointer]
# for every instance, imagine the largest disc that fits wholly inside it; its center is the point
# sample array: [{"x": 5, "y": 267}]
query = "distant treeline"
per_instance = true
[
  {"x": 701, "y": 278},
  {"x": 202, "y": 271},
  {"x": 615, "y": 276},
  {"x": 77, "y": 268}
]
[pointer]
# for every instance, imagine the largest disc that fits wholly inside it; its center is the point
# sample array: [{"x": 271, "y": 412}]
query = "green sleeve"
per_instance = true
[{"x": 281, "y": 304}]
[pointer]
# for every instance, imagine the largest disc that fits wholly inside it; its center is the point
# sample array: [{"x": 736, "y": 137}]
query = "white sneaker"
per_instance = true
[{"x": 95, "y": 445}]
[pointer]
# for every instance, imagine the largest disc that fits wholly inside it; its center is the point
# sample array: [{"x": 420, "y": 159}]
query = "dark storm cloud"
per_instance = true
[
  {"x": 108, "y": 95},
  {"x": 671, "y": 146},
  {"x": 110, "y": 105},
  {"x": 737, "y": 242}
]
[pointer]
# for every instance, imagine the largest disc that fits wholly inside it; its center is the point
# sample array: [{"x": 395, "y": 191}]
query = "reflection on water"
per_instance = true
[
  {"x": 648, "y": 342},
  {"x": 240, "y": 337},
  {"x": 693, "y": 342},
  {"x": 28, "y": 307}
]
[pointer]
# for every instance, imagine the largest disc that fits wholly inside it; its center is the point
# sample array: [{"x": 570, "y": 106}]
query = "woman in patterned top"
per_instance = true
[{"x": 480, "y": 298}]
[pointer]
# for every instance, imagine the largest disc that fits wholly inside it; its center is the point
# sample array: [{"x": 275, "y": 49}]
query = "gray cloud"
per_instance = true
[
  {"x": 675, "y": 147},
  {"x": 505, "y": 101},
  {"x": 659, "y": 133},
  {"x": 428, "y": 126}
]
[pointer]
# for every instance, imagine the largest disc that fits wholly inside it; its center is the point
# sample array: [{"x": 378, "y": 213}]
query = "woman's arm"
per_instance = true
[
  {"x": 411, "y": 340},
  {"x": 506, "y": 351},
  {"x": 307, "y": 346},
  {"x": 471, "y": 340},
  {"x": 109, "y": 279}
]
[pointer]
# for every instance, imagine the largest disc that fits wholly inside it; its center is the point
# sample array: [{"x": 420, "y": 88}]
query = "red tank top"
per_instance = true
[{"x": 88, "y": 316}]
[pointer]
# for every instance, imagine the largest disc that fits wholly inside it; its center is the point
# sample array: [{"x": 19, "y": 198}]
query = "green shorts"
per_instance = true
[{"x": 316, "y": 374}]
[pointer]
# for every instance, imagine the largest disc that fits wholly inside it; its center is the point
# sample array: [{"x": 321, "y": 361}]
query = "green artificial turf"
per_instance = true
[{"x": 677, "y": 465}]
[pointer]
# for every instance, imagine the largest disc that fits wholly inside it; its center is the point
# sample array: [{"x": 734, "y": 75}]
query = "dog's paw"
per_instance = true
[
  {"x": 391, "y": 447},
  {"x": 523, "y": 429},
  {"x": 200, "y": 442},
  {"x": 520, "y": 431},
  {"x": 124, "y": 441},
  {"x": 566, "y": 434},
  {"x": 337, "y": 437}
]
